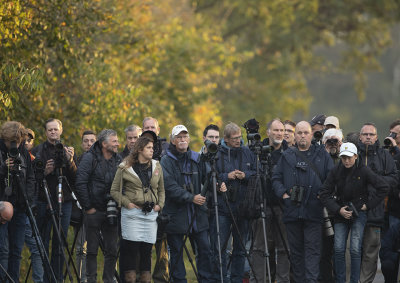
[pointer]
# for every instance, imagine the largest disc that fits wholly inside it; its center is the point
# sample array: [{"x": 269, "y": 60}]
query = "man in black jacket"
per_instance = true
[
  {"x": 382, "y": 163},
  {"x": 16, "y": 184},
  {"x": 93, "y": 183},
  {"x": 60, "y": 166},
  {"x": 275, "y": 229}
]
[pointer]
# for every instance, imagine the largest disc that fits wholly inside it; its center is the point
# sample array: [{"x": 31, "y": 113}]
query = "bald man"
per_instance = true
[
  {"x": 297, "y": 179},
  {"x": 6, "y": 212}
]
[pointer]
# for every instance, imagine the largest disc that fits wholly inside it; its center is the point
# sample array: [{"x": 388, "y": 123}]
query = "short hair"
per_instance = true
[
  {"x": 332, "y": 132},
  {"x": 132, "y": 128},
  {"x": 210, "y": 127},
  {"x": 2, "y": 206},
  {"x": 394, "y": 124},
  {"x": 353, "y": 137},
  {"x": 273, "y": 120},
  {"x": 150, "y": 118},
  {"x": 13, "y": 131},
  {"x": 88, "y": 132},
  {"x": 52, "y": 120},
  {"x": 289, "y": 122},
  {"x": 369, "y": 124},
  {"x": 105, "y": 134},
  {"x": 230, "y": 129}
]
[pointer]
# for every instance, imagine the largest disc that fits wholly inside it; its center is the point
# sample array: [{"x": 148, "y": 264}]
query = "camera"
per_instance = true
[
  {"x": 297, "y": 194},
  {"x": 59, "y": 155},
  {"x": 317, "y": 136},
  {"x": 111, "y": 212},
  {"x": 147, "y": 207},
  {"x": 350, "y": 207},
  {"x": 387, "y": 142},
  {"x": 212, "y": 148},
  {"x": 254, "y": 137},
  {"x": 332, "y": 142},
  {"x": 328, "y": 229},
  {"x": 13, "y": 153},
  {"x": 38, "y": 167}
]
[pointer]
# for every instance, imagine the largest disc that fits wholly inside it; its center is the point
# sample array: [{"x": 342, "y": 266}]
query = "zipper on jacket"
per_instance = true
[{"x": 366, "y": 155}]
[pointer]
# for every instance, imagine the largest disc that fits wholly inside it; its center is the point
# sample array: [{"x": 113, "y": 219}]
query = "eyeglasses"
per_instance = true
[
  {"x": 368, "y": 134},
  {"x": 235, "y": 138},
  {"x": 181, "y": 137}
]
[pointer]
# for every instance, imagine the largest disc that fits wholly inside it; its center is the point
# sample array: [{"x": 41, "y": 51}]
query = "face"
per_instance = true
[
  {"x": 147, "y": 152},
  {"x": 112, "y": 144},
  {"x": 212, "y": 135},
  {"x": 303, "y": 135},
  {"x": 87, "y": 142},
  {"x": 348, "y": 161},
  {"x": 150, "y": 125},
  {"x": 332, "y": 145},
  {"x": 396, "y": 130},
  {"x": 234, "y": 139},
  {"x": 368, "y": 135},
  {"x": 53, "y": 131},
  {"x": 131, "y": 138},
  {"x": 275, "y": 132},
  {"x": 317, "y": 127},
  {"x": 29, "y": 143},
  {"x": 181, "y": 141},
  {"x": 289, "y": 134}
]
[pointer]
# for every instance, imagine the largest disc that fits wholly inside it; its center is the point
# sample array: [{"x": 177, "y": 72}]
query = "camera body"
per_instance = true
[
  {"x": 59, "y": 155},
  {"x": 350, "y": 207},
  {"x": 148, "y": 207},
  {"x": 297, "y": 194},
  {"x": 14, "y": 154},
  {"x": 387, "y": 143}
]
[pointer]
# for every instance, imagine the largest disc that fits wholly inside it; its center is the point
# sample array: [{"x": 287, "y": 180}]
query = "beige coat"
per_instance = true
[{"x": 127, "y": 181}]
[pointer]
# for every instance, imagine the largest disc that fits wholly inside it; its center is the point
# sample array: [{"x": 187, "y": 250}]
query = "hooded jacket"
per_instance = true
[
  {"x": 230, "y": 159},
  {"x": 351, "y": 185},
  {"x": 94, "y": 178},
  {"x": 382, "y": 163},
  {"x": 180, "y": 170},
  {"x": 293, "y": 171}
]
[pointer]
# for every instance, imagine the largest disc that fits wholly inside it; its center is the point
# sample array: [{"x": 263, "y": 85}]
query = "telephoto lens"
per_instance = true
[
  {"x": 112, "y": 212},
  {"x": 328, "y": 229}
]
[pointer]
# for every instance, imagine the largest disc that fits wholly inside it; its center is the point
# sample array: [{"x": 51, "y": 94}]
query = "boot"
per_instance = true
[
  {"x": 145, "y": 277},
  {"x": 130, "y": 276}
]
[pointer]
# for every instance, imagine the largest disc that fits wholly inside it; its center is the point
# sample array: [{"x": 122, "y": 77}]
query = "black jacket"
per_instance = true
[
  {"x": 382, "y": 163},
  {"x": 94, "y": 178},
  {"x": 27, "y": 177},
  {"x": 124, "y": 153},
  {"x": 44, "y": 152},
  {"x": 351, "y": 185},
  {"x": 394, "y": 194}
]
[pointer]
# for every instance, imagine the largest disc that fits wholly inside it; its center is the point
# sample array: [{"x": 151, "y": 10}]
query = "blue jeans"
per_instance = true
[
  {"x": 238, "y": 250},
  {"x": 45, "y": 223},
  {"x": 37, "y": 265},
  {"x": 11, "y": 247},
  {"x": 393, "y": 221},
  {"x": 178, "y": 271},
  {"x": 356, "y": 238}
]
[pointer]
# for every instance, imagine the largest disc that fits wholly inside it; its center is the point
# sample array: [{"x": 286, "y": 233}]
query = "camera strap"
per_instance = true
[{"x": 309, "y": 162}]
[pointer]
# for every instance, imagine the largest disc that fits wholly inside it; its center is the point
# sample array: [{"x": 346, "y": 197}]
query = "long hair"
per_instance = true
[{"x": 133, "y": 156}]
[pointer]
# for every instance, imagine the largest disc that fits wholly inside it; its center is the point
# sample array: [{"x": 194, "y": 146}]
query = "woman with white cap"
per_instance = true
[{"x": 349, "y": 191}]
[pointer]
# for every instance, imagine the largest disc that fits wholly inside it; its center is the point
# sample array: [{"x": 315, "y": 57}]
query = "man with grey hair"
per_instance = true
[
  {"x": 132, "y": 133},
  {"x": 6, "y": 212},
  {"x": 332, "y": 140},
  {"x": 93, "y": 183}
]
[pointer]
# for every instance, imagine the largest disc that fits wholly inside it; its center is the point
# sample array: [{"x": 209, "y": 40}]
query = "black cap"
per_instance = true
[
  {"x": 151, "y": 133},
  {"x": 318, "y": 119}
]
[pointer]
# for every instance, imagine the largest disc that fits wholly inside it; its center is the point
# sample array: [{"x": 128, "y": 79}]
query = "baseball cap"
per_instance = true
[
  {"x": 348, "y": 149},
  {"x": 150, "y": 133},
  {"x": 178, "y": 129},
  {"x": 332, "y": 120},
  {"x": 318, "y": 119}
]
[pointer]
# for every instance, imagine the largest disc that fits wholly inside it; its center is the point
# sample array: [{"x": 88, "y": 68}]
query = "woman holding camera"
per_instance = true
[
  {"x": 349, "y": 191},
  {"x": 139, "y": 188}
]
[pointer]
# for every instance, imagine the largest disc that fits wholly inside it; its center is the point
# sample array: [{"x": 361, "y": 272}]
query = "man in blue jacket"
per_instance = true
[
  {"x": 183, "y": 176},
  {"x": 297, "y": 179}
]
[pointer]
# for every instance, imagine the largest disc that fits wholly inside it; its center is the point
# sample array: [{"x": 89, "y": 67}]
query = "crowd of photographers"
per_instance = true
[{"x": 305, "y": 204}]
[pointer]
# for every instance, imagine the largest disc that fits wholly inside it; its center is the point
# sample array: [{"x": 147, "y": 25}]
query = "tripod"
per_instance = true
[{"x": 6, "y": 273}]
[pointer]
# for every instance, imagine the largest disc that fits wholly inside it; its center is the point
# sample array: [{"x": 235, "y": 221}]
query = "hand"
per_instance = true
[
  {"x": 232, "y": 175},
  {"x": 10, "y": 162},
  {"x": 132, "y": 205},
  {"x": 223, "y": 188},
  {"x": 69, "y": 153},
  {"x": 285, "y": 196},
  {"x": 364, "y": 207},
  {"x": 199, "y": 199},
  {"x": 157, "y": 208},
  {"x": 346, "y": 214},
  {"x": 91, "y": 211},
  {"x": 240, "y": 175},
  {"x": 392, "y": 140},
  {"x": 49, "y": 167}
]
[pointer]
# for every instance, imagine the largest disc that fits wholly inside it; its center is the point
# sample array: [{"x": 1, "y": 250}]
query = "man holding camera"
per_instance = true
[
  {"x": 275, "y": 230},
  {"x": 332, "y": 140},
  {"x": 382, "y": 163},
  {"x": 297, "y": 179},
  {"x": 93, "y": 183},
  {"x": 183, "y": 175},
  {"x": 55, "y": 162},
  {"x": 17, "y": 185}
]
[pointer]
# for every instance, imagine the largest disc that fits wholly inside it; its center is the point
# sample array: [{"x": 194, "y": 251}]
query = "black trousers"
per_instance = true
[{"x": 129, "y": 251}]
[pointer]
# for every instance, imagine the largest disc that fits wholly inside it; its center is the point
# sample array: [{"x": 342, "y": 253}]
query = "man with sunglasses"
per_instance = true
[{"x": 371, "y": 154}]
